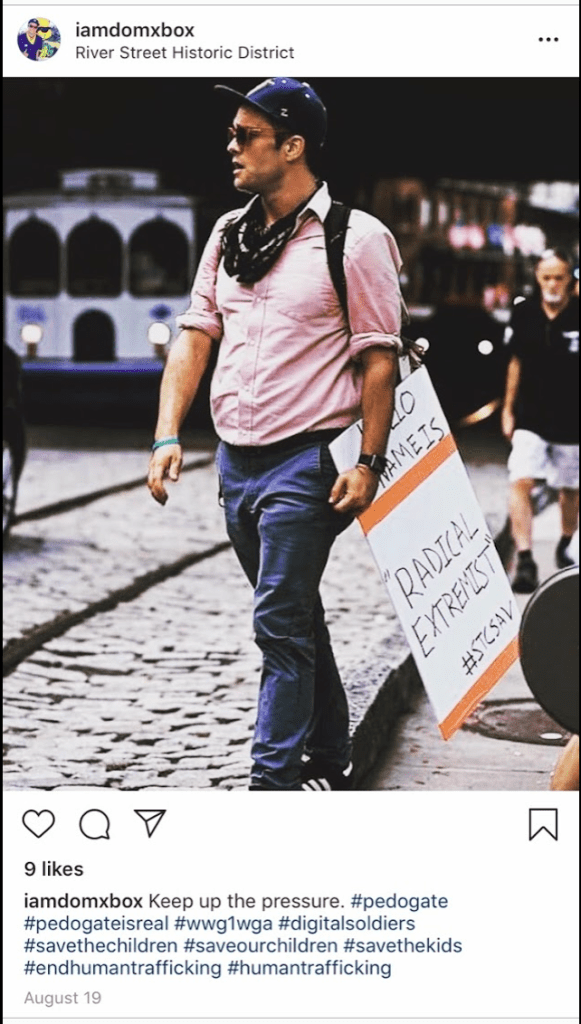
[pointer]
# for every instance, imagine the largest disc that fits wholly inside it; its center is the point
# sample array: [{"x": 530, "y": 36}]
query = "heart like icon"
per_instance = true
[{"x": 38, "y": 822}]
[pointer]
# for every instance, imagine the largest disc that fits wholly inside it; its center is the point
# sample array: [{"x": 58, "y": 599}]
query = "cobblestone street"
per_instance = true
[{"x": 159, "y": 691}]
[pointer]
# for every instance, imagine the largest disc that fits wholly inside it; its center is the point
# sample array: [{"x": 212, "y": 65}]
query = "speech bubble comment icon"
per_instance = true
[
  {"x": 95, "y": 824},
  {"x": 38, "y": 822}
]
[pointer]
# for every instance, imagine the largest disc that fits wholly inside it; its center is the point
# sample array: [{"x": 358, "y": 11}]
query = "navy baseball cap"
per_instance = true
[
  {"x": 34, "y": 21},
  {"x": 289, "y": 103}
]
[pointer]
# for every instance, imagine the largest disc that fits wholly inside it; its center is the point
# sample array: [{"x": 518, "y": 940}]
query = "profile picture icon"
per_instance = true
[{"x": 39, "y": 39}]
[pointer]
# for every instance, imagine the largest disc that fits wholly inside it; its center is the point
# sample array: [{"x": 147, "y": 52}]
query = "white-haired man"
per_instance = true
[{"x": 541, "y": 409}]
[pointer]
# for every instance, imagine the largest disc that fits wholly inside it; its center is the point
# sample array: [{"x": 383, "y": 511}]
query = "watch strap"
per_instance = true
[{"x": 376, "y": 463}]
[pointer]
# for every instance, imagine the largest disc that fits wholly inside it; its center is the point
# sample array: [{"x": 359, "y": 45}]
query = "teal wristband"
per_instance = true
[{"x": 163, "y": 441}]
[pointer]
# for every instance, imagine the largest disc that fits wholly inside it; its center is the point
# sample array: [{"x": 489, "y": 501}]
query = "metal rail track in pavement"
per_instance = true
[
  {"x": 67, "y": 504},
  {"x": 17, "y": 650}
]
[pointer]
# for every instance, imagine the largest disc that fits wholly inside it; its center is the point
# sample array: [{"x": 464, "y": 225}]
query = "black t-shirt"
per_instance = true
[{"x": 548, "y": 395}]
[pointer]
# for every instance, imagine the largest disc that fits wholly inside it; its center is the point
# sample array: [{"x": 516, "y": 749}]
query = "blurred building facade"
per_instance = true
[
  {"x": 472, "y": 243},
  {"x": 96, "y": 271}
]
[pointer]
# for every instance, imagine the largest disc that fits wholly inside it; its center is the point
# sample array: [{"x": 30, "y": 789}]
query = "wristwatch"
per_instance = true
[{"x": 376, "y": 463}]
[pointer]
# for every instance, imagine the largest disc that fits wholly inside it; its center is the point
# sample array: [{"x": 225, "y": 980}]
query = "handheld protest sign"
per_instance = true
[
  {"x": 549, "y": 647},
  {"x": 436, "y": 556}
]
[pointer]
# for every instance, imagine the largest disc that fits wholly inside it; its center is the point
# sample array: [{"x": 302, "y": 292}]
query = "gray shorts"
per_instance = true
[{"x": 535, "y": 459}]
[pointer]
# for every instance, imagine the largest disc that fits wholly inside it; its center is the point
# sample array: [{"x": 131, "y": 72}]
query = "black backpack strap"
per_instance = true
[{"x": 335, "y": 225}]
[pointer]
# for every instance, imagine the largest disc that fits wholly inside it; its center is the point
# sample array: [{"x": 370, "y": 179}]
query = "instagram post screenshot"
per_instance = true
[{"x": 291, "y": 506}]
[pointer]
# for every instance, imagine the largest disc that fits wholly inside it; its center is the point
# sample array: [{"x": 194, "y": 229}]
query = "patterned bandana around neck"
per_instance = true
[{"x": 250, "y": 249}]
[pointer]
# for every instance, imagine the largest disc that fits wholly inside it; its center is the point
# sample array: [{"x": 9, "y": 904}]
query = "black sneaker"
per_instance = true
[
  {"x": 317, "y": 776},
  {"x": 562, "y": 559},
  {"x": 526, "y": 579}
]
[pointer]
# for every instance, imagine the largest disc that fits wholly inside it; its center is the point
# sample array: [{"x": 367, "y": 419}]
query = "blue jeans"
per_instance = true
[{"x": 282, "y": 527}]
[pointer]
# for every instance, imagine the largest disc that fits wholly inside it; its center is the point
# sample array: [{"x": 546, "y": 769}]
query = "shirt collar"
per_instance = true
[{"x": 319, "y": 204}]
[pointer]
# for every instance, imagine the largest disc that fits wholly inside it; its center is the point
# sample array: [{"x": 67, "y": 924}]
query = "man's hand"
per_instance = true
[
  {"x": 354, "y": 490},
  {"x": 185, "y": 366},
  {"x": 165, "y": 463},
  {"x": 507, "y": 420},
  {"x": 507, "y": 417}
]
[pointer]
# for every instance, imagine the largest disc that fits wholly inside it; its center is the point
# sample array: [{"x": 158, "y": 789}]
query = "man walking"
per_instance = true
[
  {"x": 291, "y": 374},
  {"x": 541, "y": 409}
]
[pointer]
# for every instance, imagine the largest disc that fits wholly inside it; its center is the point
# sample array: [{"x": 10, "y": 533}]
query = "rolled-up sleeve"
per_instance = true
[
  {"x": 202, "y": 313},
  {"x": 372, "y": 264}
]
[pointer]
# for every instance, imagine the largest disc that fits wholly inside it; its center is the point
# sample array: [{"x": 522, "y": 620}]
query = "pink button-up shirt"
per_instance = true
[{"x": 287, "y": 362}]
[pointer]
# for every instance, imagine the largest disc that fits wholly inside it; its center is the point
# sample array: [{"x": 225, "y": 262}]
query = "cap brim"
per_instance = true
[
  {"x": 231, "y": 92},
  {"x": 244, "y": 101}
]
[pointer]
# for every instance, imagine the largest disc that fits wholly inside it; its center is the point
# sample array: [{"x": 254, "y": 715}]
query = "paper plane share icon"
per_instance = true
[{"x": 151, "y": 820}]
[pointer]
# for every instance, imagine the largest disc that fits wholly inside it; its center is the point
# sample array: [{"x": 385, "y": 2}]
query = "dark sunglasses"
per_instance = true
[{"x": 244, "y": 136}]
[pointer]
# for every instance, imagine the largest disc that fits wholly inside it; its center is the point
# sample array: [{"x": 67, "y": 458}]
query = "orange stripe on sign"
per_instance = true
[
  {"x": 403, "y": 487},
  {"x": 487, "y": 680}
]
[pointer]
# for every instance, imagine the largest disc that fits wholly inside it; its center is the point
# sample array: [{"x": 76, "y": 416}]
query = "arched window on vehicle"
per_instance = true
[
  {"x": 158, "y": 260},
  {"x": 34, "y": 260},
  {"x": 94, "y": 258},
  {"x": 93, "y": 337}
]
